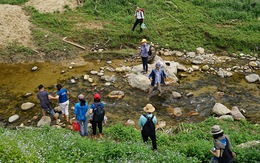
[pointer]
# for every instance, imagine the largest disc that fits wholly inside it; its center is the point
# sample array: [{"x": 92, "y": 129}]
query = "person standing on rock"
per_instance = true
[
  {"x": 139, "y": 16},
  {"x": 157, "y": 78},
  {"x": 62, "y": 96},
  {"x": 97, "y": 108},
  {"x": 144, "y": 53},
  {"x": 222, "y": 150},
  {"x": 147, "y": 123},
  {"x": 80, "y": 110},
  {"x": 44, "y": 98}
]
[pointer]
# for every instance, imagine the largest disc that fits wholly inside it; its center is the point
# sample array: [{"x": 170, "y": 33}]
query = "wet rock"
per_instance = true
[
  {"x": 27, "y": 95},
  {"x": 92, "y": 72},
  {"x": 110, "y": 69},
  {"x": 237, "y": 115},
  {"x": 181, "y": 67},
  {"x": 177, "y": 112},
  {"x": 72, "y": 81},
  {"x": 107, "y": 84},
  {"x": 179, "y": 54},
  {"x": 220, "y": 109},
  {"x": 192, "y": 113},
  {"x": 100, "y": 74},
  {"x": 191, "y": 54},
  {"x": 105, "y": 78},
  {"x": 176, "y": 95},
  {"x": 130, "y": 122},
  {"x": 13, "y": 118},
  {"x": 109, "y": 62},
  {"x": 197, "y": 62},
  {"x": 195, "y": 67},
  {"x": 45, "y": 120},
  {"x": 252, "y": 78},
  {"x": 34, "y": 68},
  {"x": 205, "y": 67},
  {"x": 90, "y": 80},
  {"x": 119, "y": 69},
  {"x": 27, "y": 105},
  {"x": 253, "y": 64},
  {"x": 86, "y": 77},
  {"x": 70, "y": 67},
  {"x": 226, "y": 117},
  {"x": 250, "y": 144},
  {"x": 116, "y": 94}
]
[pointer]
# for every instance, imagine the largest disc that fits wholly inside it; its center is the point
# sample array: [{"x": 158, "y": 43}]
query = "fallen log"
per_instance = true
[{"x": 72, "y": 43}]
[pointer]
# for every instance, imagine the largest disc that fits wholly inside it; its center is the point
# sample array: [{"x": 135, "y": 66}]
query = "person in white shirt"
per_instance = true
[{"x": 139, "y": 15}]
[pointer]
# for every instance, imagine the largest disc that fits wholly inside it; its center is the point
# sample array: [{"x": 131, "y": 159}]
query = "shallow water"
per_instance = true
[{"x": 18, "y": 79}]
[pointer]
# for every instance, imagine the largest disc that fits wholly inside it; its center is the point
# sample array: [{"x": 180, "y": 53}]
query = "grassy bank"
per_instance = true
[
  {"x": 186, "y": 143},
  {"x": 217, "y": 26}
]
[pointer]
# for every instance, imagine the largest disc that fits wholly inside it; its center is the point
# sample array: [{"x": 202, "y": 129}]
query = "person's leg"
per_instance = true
[
  {"x": 150, "y": 91},
  {"x": 43, "y": 112},
  {"x": 153, "y": 138},
  {"x": 135, "y": 24},
  {"x": 146, "y": 63},
  {"x": 145, "y": 137},
  {"x": 81, "y": 128},
  {"x": 94, "y": 127},
  {"x": 100, "y": 127},
  {"x": 66, "y": 111},
  {"x": 85, "y": 123},
  {"x": 143, "y": 61},
  {"x": 159, "y": 89},
  {"x": 140, "y": 21}
]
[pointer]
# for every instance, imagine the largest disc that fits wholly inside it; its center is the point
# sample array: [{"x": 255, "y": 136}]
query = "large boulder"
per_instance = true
[
  {"x": 45, "y": 120},
  {"x": 27, "y": 105},
  {"x": 116, "y": 94},
  {"x": 237, "y": 115},
  {"x": 220, "y": 109},
  {"x": 139, "y": 81},
  {"x": 252, "y": 78}
]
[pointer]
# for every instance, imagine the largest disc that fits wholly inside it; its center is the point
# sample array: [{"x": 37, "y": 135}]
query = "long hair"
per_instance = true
[{"x": 82, "y": 102}]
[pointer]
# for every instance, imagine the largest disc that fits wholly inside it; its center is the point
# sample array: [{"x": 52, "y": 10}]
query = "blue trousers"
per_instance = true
[{"x": 145, "y": 63}]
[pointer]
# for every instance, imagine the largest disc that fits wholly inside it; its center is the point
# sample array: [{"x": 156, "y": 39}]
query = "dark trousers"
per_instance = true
[
  {"x": 94, "y": 127},
  {"x": 145, "y": 63},
  {"x": 138, "y": 21},
  {"x": 152, "y": 137}
]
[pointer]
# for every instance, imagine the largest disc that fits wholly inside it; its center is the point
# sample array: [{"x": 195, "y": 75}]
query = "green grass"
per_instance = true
[
  {"x": 13, "y": 2},
  {"x": 186, "y": 143}
]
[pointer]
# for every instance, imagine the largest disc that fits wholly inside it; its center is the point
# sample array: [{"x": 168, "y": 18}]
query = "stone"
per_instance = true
[
  {"x": 197, "y": 62},
  {"x": 90, "y": 80},
  {"x": 116, "y": 94},
  {"x": 191, "y": 54},
  {"x": 86, "y": 77},
  {"x": 192, "y": 113},
  {"x": 130, "y": 122},
  {"x": 220, "y": 109},
  {"x": 107, "y": 84},
  {"x": 13, "y": 118},
  {"x": 45, "y": 120},
  {"x": 200, "y": 50},
  {"x": 177, "y": 112},
  {"x": 57, "y": 109},
  {"x": 161, "y": 124},
  {"x": 27, "y": 105},
  {"x": 34, "y": 68},
  {"x": 250, "y": 144},
  {"x": 205, "y": 67},
  {"x": 176, "y": 95},
  {"x": 226, "y": 117},
  {"x": 195, "y": 67},
  {"x": 189, "y": 94},
  {"x": 252, "y": 78},
  {"x": 27, "y": 95},
  {"x": 93, "y": 72},
  {"x": 237, "y": 115}
]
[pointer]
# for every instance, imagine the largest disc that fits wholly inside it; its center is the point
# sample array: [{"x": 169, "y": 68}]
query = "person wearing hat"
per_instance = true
[
  {"x": 44, "y": 98},
  {"x": 220, "y": 142},
  {"x": 96, "y": 108},
  {"x": 145, "y": 118},
  {"x": 139, "y": 16},
  {"x": 80, "y": 110},
  {"x": 156, "y": 77},
  {"x": 144, "y": 53}
]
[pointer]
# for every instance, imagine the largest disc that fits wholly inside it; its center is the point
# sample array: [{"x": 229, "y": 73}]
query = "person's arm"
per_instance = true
[
  {"x": 216, "y": 153},
  {"x": 53, "y": 98},
  {"x": 154, "y": 120}
]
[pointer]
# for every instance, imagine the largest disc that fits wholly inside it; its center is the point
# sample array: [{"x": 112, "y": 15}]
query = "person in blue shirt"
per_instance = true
[
  {"x": 148, "y": 109},
  {"x": 63, "y": 97},
  {"x": 144, "y": 53},
  {"x": 157, "y": 78},
  {"x": 80, "y": 110}
]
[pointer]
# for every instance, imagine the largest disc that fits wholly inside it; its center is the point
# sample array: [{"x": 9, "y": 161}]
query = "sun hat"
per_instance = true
[
  {"x": 97, "y": 96},
  {"x": 143, "y": 40},
  {"x": 149, "y": 108},
  {"x": 81, "y": 96},
  {"x": 138, "y": 8},
  {"x": 216, "y": 130}
]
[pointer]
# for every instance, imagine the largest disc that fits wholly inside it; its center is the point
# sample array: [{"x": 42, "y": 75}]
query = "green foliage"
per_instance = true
[
  {"x": 13, "y": 2},
  {"x": 188, "y": 143}
]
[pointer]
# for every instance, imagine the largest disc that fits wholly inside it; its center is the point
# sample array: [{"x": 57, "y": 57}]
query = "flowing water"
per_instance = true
[{"x": 19, "y": 79}]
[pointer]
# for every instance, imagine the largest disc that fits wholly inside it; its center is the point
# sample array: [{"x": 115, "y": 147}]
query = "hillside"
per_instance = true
[{"x": 37, "y": 29}]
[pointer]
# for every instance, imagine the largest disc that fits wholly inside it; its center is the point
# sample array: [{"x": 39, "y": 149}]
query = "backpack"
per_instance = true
[
  {"x": 149, "y": 127},
  {"x": 227, "y": 156},
  {"x": 150, "y": 51},
  {"x": 99, "y": 113}
]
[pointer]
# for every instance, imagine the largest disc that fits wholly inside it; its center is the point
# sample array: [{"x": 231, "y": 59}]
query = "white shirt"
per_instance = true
[{"x": 139, "y": 14}]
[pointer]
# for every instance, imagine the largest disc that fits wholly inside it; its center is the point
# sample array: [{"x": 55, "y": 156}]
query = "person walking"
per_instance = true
[
  {"x": 139, "y": 16},
  {"x": 147, "y": 123},
  {"x": 44, "y": 98},
  {"x": 157, "y": 78},
  {"x": 222, "y": 150},
  {"x": 98, "y": 111},
  {"x": 62, "y": 96},
  {"x": 80, "y": 110},
  {"x": 144, "y": 53}
]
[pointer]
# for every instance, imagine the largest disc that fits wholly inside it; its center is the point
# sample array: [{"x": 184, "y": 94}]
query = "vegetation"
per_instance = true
[
  {"x": 13, "y": 2},
  {"x": 223, "y": 25},
  {"x": 186, "y": 143}
]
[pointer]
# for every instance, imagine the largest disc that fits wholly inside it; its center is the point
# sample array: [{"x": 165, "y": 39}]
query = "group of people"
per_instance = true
[{"x": 83, "y": 112}]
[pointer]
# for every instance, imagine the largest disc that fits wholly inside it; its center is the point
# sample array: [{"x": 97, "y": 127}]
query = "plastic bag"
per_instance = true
[
  {"x": 75, "y": 126},
  {"x": 143, "y": 26}
]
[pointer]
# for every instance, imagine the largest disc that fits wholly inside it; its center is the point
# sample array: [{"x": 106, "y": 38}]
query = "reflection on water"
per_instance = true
[{"x": 18, "y": 79}]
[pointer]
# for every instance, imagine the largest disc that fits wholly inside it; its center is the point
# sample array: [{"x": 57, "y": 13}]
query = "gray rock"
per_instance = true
[
  {"x": 237, "y": 115},
  {"x": 13, "y": 118},
  {"x": 252, "y": 78},
  {"x": 220, "y": 109},
  {"x": 200, "y": 50},
  {"x": 176, "y": 95},
  {"x": 130, "y": 122},
  {"x": 93, "y": 72},
  {"x": 226, "y": 117},
  {"x": 27, "y": 105},
  {"x": 45, "y": 120},
  {"x": 250, "y": 144},
  {"x": 191, "y": 54},
  {"x": 34, "y": 68}
]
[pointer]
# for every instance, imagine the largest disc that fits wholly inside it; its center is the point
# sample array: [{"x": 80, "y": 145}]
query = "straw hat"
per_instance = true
[
  {"x": 216, "y": 130},
  {"x": 138, "y": 8},
  {"x": 149, "y": 108},
  {"x": 143, "y": 40}
]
